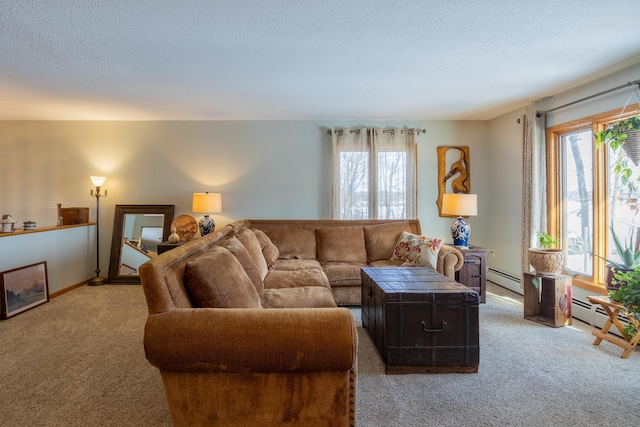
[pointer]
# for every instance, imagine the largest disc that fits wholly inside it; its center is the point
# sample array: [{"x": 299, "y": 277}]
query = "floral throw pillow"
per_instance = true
[
  {"x": 423, "y": 252},
  {"x": 403, "y": 246}
]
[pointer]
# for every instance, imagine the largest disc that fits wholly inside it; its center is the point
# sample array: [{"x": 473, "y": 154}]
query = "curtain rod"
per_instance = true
[
  {"x": 604, "y": 92},
  {"x": 417, "y": 131}
]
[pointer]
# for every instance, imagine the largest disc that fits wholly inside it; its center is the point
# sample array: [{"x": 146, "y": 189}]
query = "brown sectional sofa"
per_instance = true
[
  {"x": 342, "y": 247},
  {"x": 243, "y": 323}
]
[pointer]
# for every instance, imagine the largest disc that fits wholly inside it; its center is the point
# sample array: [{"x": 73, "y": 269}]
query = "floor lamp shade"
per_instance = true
[
  {"x": 460, "y": 205},
  {"x": 206, "y": 203},
  {"x": 98, "y": 180}
]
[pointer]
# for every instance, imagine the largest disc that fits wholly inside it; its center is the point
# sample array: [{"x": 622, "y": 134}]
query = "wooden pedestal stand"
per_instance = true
[{"x": 550, "y": 301}]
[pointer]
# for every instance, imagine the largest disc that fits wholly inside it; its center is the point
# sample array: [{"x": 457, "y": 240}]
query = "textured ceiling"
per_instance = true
[{"x": 298, "y": 60}]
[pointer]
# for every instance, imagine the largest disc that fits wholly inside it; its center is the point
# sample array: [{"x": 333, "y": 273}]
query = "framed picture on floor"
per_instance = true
[{"x": 23, "y": 288}]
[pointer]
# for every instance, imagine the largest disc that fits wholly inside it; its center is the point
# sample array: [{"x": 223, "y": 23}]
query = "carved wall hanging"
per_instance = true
[{"x": 454, "y": 175}]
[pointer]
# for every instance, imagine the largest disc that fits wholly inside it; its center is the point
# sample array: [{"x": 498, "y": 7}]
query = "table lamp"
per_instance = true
[
  {"x": 206, "y": 203},
  {"x": 460, "y": 205}
]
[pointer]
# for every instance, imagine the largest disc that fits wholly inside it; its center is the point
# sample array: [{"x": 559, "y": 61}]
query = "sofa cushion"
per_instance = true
[
  {"x": 424, "y": 252},
  {"x": 341, "y": 244},
  {"x": 216, "y": 279},
  {"x": 294, "y": 242},
  {"x": 250, "y": 241},
  {"x": 343, "y": 273},
  {"x": 295, "y": 278},
  {"x": 297, "y": 264},
  {"x": 300, "y": 297},
  {"x": 269, "y": 250},
  {"x": 381, "y": 239},
  {"x": 241, "y": 253}
]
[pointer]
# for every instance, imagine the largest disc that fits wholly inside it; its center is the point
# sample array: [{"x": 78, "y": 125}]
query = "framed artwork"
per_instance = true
[
  {"x": 454, "y": 173},
  {"x": 23, "y": 288}
]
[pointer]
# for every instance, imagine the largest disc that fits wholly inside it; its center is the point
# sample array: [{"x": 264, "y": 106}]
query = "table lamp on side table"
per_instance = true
[
  {"x": 207, "y": 203},
  {"x": 460, "y": 205}
]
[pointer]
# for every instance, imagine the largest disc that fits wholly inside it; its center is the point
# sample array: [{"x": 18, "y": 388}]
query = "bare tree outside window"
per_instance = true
[
  {"x": 578, "y": 201},
  {"x": 354, "y": 185},
  {"x": 392, "y": 184}
]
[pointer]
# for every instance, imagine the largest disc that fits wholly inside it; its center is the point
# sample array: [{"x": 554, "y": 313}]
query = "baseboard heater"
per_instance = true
[{"x": 505, "y": 280}]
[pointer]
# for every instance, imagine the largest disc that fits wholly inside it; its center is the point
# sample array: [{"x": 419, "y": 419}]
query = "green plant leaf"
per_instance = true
[{"x": 536, "y": 282}]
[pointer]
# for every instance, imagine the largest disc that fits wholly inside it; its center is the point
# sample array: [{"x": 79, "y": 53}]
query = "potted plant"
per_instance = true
[
  {"x": 545, "y": 259},
  {"x": 625, "y": 135},
  {"x": 628, "y": 294},
  {"x": 630, "y": 259}
]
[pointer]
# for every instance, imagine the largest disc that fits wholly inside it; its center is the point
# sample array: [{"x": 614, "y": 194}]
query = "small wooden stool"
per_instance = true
[{"x": 612, "y": 309}]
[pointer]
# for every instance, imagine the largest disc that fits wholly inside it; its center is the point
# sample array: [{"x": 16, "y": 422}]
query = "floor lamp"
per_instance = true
[{"x": 97, "y": 182}]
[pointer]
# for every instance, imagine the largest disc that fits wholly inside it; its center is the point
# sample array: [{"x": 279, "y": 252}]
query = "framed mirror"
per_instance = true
[{"x": 137, "y": 230}]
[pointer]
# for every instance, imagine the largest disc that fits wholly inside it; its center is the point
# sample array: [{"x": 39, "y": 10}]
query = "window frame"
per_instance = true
[{"x": 595, "y": 123}]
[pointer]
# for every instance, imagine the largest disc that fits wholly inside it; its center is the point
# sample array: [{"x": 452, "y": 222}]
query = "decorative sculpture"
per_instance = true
[{"x": 457, "y": 172}]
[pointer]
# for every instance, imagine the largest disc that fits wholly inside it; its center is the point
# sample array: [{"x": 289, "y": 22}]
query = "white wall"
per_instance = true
[
  {"x": 69, "y": 253},
  {"x": 596, "y": 105},
  {"x": 504, "y": 178},
  {"x": 264, "y": 169}
]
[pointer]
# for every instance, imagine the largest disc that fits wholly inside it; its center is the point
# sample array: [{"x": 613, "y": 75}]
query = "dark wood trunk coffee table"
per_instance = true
[{"x": 420, "y": 320}]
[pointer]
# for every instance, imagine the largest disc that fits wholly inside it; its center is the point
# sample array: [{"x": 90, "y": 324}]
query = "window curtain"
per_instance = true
[
  {"x": 389, "y": 184},
  {"x": 348, "y": 140},
  {"x": 534, "y": 181},
  {"x": 376, "y": 155}
]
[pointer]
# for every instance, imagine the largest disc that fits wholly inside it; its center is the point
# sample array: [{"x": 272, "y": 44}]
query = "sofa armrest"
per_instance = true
[
  {"x": 251, "y": 340},
  {"x": 450, "y": 260}
]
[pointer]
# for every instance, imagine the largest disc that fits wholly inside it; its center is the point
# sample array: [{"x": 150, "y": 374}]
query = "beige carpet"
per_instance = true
[{"x": 78, "y": 361}]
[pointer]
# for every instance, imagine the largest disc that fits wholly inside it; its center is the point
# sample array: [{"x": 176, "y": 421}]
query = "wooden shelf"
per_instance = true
[{"x": 20, "y": 231}]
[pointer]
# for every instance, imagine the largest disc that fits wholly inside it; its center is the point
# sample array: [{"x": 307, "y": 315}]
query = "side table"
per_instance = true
[
  {"x": 612, "y": 309},
  {"x": 167, "y": 246},
  {"x": 473, "y": 273},
  {"x": 547, "y": 299}
]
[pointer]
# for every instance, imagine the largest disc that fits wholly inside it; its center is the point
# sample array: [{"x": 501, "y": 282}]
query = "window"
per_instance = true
[
  {"x": 588, "y": 196},
  {"x": 577, "y": 196},
  {"x": 374, "y": 174}
]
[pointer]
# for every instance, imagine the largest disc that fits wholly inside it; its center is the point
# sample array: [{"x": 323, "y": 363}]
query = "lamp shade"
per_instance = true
[
  {"x": 207, "y": 203},
  {"x": 459, "y": 204},
  {"x": 98, "y": 180}
]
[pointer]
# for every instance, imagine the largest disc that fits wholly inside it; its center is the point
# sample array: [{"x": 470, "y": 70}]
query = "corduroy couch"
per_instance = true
[
  {"x": 244, "y": 327},
  {"x": 343, "y": 247}
]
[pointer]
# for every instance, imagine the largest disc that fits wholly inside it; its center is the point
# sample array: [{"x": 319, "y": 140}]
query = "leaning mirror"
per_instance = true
[{"x": 137, "y": 230}]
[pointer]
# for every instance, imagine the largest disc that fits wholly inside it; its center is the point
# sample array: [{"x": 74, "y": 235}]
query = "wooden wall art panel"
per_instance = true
[{"x": 454, "y": 174}]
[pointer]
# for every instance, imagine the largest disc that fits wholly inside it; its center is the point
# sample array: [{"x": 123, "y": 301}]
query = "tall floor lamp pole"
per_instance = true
[{"x": 98, "y": 181}]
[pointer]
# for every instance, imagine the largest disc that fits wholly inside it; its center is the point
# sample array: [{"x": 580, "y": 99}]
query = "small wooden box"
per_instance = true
[
  {"x": 71, "y": 216},
  {"x": 550, "y": 302}
]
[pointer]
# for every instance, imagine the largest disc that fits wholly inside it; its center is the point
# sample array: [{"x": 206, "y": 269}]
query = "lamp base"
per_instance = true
[
  {"x": 460, "y": 231},
  {"x": 206, "y": 225},
  {"x": 97, "y": 281}
]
